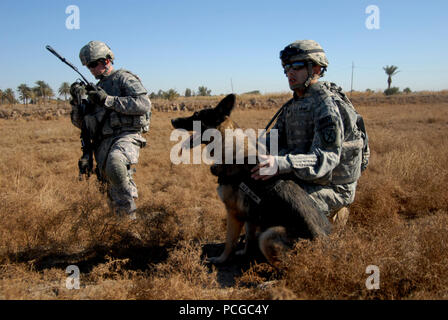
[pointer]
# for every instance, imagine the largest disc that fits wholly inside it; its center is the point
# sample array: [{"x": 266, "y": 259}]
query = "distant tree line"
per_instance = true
[
  {"x": 255, "y": 92},
  {"x": 172, "y": 94},
  {"x": 392, "y": 91},
  {"x": 41, "y": 92}
]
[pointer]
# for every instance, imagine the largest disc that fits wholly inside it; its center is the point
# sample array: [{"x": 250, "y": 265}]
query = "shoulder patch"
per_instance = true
[
  {"x": 329, "y": 131},
  {"x": 328, "y": 135}
]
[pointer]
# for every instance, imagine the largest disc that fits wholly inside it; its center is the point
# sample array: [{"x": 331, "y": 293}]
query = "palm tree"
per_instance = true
[
  {"x": 64, "y": 90},
  {"x": 1, "y": 97},
  {"x": 171, "y": 94},
  {"x": 390, "y": 71},
  {"x": 39, "y": 89},
  {"x": 43, "y": 90},
  {"x": 24, "y": 93},
  {"x": 33, "y": 96},
  {"x": 10, "y": 96},
  {"x": 204, "y": 91}
]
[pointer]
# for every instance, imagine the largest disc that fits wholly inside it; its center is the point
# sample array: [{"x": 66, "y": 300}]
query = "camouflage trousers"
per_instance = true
[
  {"x": 114, "y": 157},
  {"x": 330, "y": 199}
]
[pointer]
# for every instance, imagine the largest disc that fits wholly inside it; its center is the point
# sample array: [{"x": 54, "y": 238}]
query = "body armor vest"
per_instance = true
[{"x": 116, "y": 122}]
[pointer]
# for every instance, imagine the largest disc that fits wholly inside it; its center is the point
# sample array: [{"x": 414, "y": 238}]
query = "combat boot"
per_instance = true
[{"x": 340, "y": 217}]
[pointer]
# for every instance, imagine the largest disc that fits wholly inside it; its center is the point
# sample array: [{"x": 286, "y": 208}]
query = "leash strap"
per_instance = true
[
  {"x": 275, "y": 117},
  {"x": 249, "y": 193}
]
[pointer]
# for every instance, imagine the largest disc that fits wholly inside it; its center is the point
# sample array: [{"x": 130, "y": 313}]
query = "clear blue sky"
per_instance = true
[{"x": 186, "y": 44}]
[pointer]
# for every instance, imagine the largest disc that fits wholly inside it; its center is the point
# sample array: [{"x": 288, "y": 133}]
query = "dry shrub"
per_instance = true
[
  {"x": 185, "y": 276},
  {"x": 335, "y": 268},
  {"x": 51, "y": 220},
  {"x": 182, "y": 276}
]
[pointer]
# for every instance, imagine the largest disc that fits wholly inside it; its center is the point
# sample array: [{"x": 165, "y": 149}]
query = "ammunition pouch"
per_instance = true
[
  {"x": 118, "y": 122},
  {"x": 349, "y": 169}
]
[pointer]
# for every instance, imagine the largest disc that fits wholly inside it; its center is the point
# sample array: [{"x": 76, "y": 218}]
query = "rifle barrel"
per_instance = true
[{"x": 49, "y": 48}]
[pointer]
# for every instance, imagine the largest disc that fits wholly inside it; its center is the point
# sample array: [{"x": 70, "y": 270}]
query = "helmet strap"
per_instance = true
[{"x": 310, "y": 74}]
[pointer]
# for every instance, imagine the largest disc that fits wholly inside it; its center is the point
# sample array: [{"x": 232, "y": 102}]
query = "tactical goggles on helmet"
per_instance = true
[
  {"x": 94, "y": 64},
  {"x": 293, "y": 66},
  {"x": 290, "y": 51}
]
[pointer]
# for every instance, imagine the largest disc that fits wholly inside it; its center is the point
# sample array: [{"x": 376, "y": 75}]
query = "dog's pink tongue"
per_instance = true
[{"x": 193, "y": 141}]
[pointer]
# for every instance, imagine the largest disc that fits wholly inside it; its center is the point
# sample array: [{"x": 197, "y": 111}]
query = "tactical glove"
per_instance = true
[
  {"x": 76, "y": 91},
  {"x": 97, "y": 97},
  {"x": 85, "y": 165}
]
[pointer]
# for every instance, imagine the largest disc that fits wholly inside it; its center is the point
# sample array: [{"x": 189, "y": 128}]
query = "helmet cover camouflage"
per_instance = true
[
  {"x": 304, "y": 50},
  {"x": 95, "y": 50}
]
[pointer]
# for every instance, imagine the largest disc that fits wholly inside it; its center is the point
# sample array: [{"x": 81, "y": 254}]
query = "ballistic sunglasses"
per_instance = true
[
  {"x": 293, "y": 65},
  {"x": 94, "y": 64}
]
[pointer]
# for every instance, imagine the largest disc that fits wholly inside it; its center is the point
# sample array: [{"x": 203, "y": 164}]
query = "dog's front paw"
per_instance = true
[{"x": 216, "y": 260}]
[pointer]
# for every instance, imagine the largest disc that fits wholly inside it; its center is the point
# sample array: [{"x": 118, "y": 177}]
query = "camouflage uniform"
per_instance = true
[
  {"x": 321, "y": 146},
  {"x": 124, "y": 116}
]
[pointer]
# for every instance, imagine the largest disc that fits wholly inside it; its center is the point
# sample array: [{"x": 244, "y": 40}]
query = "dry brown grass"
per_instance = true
[
  {"x": 51, "y": 220},
  {"x": 56, "y": 109}
]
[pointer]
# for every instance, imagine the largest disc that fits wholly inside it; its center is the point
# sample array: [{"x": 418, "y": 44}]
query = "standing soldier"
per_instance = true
[
  {"x": 322, "y": 142},
  {"x": 121, "y": 112}
]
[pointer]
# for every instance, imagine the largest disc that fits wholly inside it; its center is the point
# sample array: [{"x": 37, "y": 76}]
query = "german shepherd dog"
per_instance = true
[{"x": 278, "y": 208}]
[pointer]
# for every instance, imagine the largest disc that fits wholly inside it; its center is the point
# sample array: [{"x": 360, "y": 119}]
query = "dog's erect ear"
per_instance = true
[{"x": 226, "y": 105}]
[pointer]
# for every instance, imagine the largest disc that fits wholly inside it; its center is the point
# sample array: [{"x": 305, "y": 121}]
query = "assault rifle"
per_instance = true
[{"x": 85, "y": 163}]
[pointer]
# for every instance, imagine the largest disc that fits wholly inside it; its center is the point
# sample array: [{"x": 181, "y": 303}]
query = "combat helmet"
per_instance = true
[
  {"x": 304, "y": 50},
  {"x": 95, "y": 50},
  {"x": 308, "y": 51}
]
